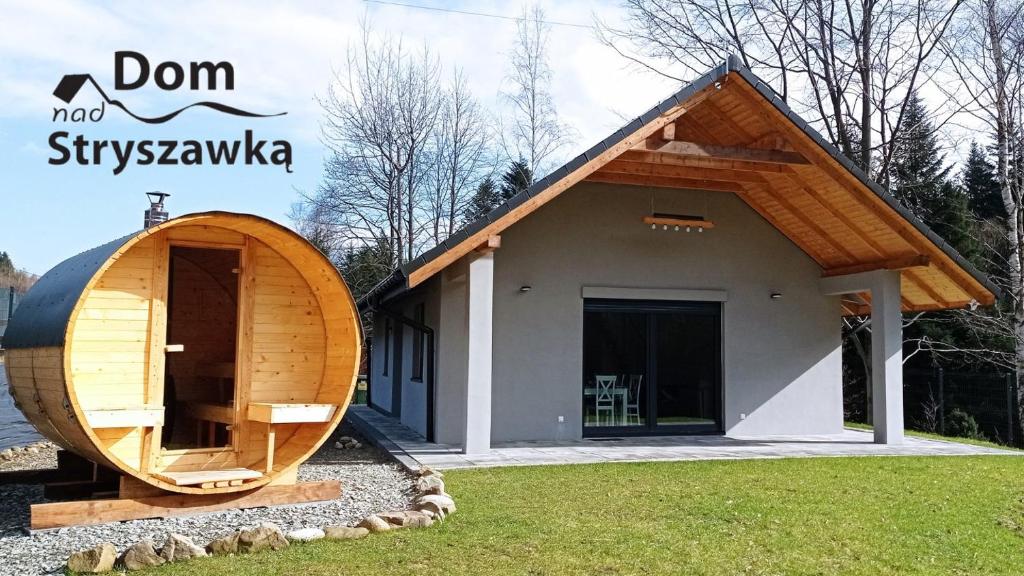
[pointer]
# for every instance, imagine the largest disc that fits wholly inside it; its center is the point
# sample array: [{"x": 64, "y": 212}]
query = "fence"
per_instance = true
[
  {"x": 940, "y": 401},
  {"x": 9, "y": 298}
]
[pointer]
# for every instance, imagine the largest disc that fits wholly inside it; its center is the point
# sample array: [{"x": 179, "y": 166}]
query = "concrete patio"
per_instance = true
[{"x": 413, "y": 451}]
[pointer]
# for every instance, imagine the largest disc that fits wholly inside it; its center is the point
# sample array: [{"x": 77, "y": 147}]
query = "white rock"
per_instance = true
[
  {"x": 305, "y": 535},
  {"x": 178, "y": 548},
  {"x": 442, "y": 501}
]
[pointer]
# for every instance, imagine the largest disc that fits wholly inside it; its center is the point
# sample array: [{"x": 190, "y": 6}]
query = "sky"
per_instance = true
[{"x": 284, "y": 56}]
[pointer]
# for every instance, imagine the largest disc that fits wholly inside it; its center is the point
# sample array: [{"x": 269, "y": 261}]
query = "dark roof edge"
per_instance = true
[
  {"x": 389, "y": 287},
  {"x": 386, "y": 289}
]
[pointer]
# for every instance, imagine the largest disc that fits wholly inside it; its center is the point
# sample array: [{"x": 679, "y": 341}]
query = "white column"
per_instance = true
[
  {"x": 886, "y": 346},
  {"x": 887, "y": 358},
  {"x": 480, "y": 297}
]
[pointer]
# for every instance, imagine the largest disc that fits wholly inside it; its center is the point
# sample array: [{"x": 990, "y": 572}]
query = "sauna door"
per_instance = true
[{"x": 202, "y": 326}]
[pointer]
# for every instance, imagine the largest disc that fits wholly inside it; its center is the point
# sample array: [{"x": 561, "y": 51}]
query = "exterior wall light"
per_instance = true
[
  {"x": 776, "y": 295},
  {"x": 525, "y": 288}
]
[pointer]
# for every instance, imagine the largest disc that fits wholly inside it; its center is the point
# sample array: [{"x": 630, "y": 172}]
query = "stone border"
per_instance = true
[{"x": 432, "y": 505}]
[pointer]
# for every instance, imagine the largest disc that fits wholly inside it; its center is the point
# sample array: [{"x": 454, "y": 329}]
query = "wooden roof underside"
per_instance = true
[{"x": 728, "y": 138}]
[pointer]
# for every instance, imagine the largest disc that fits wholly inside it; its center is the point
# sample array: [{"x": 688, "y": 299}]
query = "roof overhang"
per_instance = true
[{"x": 729, "y": 132}]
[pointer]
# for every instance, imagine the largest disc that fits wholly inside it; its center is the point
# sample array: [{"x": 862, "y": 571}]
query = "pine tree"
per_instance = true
[
  {"x": 980, "y": 185},
  {"x": 516, "y": 179},
  {"x": 488, "y": 195},
  {"x": 6, "y": 264},
  {"x": 485, "y": 199},
  {"x": 366, "y": 266},
  {"x": 917, "y": 174}
]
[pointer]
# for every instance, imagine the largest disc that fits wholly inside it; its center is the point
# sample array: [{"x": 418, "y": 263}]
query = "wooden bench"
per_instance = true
[
  {"x": 290, "y": 413},
  {"x": 272, "y": 414},
  {"x": 129, "y": 417}
]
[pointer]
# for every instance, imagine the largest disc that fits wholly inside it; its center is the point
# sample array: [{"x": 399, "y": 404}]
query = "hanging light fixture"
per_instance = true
[{"x": 677, "y": 221}]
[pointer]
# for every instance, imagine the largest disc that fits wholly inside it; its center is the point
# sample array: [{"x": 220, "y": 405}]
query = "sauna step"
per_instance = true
[{"x": 210, "y": 478}]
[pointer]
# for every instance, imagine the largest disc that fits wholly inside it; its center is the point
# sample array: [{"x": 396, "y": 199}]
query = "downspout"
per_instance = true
[{"x": 429, "y": 369}]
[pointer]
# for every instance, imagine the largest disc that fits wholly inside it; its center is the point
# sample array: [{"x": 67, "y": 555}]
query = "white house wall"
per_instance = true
[{"x": 782, "y": 357}]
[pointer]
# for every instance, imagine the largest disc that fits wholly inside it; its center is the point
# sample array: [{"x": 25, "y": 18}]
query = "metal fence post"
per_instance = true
[
  {"x": 1009, "y": 409},
  {"x": 942, "y": 401}
]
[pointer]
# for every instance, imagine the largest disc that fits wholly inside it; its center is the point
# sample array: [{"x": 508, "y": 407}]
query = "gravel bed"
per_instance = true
[{"x": 371, "y": 482}]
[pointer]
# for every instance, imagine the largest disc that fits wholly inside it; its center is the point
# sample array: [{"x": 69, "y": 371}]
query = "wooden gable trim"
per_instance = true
[
  {"x": 418, "y": 276},
  {"x": 820, "y": 159}
]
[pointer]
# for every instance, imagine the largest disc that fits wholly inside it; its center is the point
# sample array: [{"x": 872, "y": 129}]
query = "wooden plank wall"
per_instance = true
[
  {"x": 289, "y": 343},
  {"x": 109, "y": 344}
]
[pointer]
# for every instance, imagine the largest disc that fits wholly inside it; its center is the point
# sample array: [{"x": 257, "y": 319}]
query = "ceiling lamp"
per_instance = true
[{"x": 678, "y": 221}]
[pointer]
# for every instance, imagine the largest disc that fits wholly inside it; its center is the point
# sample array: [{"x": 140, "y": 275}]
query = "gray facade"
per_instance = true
[{"x": 782, "y": 359}]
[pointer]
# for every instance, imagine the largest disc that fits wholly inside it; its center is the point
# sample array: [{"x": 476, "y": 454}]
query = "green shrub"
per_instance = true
[{"x": 962, "y": 425}]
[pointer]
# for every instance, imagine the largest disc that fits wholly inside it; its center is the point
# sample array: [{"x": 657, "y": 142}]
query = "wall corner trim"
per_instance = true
[{"x": 677, "y": 294}]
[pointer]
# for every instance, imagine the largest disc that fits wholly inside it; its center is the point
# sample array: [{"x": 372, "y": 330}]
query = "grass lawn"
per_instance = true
[{"x": 869, "y": 515}]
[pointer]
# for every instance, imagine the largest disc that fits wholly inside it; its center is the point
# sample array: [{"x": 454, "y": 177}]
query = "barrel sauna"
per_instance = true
[{"x": 210, "y": 353}]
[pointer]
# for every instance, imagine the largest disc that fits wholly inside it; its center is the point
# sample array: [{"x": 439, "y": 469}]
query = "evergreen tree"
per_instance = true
[
  {"x": 917, "y": 174},
  {"x": 488, "y": 195},
  {"x": 516, "y": 179},
  {"x": 6, "y": 264},
  {"x": 484, "y": 200},
  {"x": 364, "y": 267},
  {"x": 920, "y": 181},
  {"x": 980, "y": 185}
]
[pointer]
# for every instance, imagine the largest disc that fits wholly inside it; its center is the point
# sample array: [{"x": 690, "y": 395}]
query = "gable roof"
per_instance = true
[{"x": 729, "y": 131}]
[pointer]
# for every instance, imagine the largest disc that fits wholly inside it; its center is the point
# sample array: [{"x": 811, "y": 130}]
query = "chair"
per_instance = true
[
  {"x": 633, "y": 397},
  {"x": 604, "y": 400}
]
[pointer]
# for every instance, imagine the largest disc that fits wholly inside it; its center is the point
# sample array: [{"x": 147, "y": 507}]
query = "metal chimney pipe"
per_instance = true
[{"x": 156, "y": 213}]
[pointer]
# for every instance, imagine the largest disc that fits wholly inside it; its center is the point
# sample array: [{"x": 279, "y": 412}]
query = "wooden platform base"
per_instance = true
[{"x": 84, "y": 512}]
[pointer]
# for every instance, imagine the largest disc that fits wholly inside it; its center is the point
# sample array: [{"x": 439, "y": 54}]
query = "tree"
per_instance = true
[
  {"x": 366, "y": 266},
  {"x": 405, "y": 152},
  {"x": 986, "y": 59},
  {"x": 850, "y": 67},
  {"x": 462, "y": 157},
  {"x": 12, "y": 276},
  {"x": 6, "y": 264},
  {"x": 920, "y": 180},
  {"x": 488, "y": 195},
  {"x": 379, "y": 114},
  {"x": 483, "y": 201},
  {"x": 979, "y": 182},
  {"x": 917, "y": 174},
  {"x": 516, "y": 179},
  {"x": 535, "y": 133}
]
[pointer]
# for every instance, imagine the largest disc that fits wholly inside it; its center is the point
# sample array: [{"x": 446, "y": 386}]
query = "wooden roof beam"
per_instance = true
[
  {"x": 699, "y": 150},
  {"x": 490, "y": 245},
  {"x": 700, "y": 173},
  {"x": 701, "y": 162},
  {"x": 606, "y": 177},
  {"x": 902, "y": 263}
]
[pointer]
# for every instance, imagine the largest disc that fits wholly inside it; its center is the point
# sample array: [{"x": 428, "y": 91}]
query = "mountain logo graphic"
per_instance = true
[{"x": 71, "y": 84}]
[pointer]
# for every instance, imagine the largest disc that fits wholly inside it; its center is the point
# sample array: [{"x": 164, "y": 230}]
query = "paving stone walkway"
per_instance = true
[{"x": 413, "y": 451}]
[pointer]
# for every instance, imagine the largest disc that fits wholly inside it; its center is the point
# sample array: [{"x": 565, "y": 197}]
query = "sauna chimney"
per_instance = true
[{"x": 156, "y": 213}]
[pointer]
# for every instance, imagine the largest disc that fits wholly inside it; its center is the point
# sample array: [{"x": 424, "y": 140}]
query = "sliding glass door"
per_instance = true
[{"x": 651, "y": 367}]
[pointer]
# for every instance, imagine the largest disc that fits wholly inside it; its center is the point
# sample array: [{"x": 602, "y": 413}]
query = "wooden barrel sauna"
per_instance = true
[{"x": 210, "y": 353}]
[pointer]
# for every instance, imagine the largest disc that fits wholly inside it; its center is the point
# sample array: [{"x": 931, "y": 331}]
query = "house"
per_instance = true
[{"x": 686, "y": 275}]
